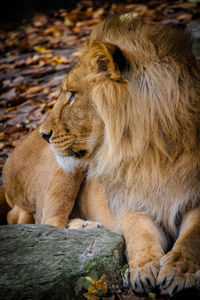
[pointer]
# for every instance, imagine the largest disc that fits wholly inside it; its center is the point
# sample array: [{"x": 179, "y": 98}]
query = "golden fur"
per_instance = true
[
  {"x": 37, "y": 189},
  {"x": 134, "y": 119}
]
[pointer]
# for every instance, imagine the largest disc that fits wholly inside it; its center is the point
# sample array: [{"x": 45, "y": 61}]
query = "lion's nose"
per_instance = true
[{"x": 46, "y": 136}]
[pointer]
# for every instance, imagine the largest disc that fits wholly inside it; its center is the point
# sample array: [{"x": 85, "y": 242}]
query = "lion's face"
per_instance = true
[{"x": 74, "y": 127}]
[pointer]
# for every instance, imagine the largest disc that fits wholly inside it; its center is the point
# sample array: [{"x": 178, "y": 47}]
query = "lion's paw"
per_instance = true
[
  {"x": 177, "y": 272},
  {"x": 143, "y": 279}
]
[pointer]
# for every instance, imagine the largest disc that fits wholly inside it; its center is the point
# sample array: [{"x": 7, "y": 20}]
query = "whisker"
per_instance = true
[
  {"x": 64, "y": 147},
  {"x": 86, "y": 138},
  {"x": 60, "y": 142},
  {"x": 63, "y": 136}
]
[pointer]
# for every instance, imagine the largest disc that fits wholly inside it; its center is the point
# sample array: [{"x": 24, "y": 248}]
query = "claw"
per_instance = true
[
  {"x": 154, "y": 271},
  {"x": 126, "y": 278},
  {"x": 137, "y": 283},
  {"x": 143, "y": 279},
  {"x": 174, "y": 290},
  {"x": 167, "y": 280}
]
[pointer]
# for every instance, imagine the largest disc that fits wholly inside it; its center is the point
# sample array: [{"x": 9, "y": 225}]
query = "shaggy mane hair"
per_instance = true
[{"x": 150, "y": 104}]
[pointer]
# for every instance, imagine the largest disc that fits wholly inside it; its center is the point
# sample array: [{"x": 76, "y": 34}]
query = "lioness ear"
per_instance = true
[{"x": 110, "y": 59}]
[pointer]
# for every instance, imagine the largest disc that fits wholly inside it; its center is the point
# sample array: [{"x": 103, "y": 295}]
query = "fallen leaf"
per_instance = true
[
  {"x": 2, "y": 145},
  {"x": 152, "y": 296},
  {"x": 184, "y": 17},
  {"x": 40, "y": 20},
  {"x": 32, "y": 59},
  {"x": 55, "y": 81},
  {"x": 9, "y": 116},
  {"x": 33, "y": 90},
  {"x": 3, "y": 136},
  {"x": 51, "y": 104},
  {"x": 97, "y": 288},
  {"x": 9, "y": 95},
  {"x": 9, "y": 109},
  {"x": 67, "y": 21},
  {"x": 42, "y": 49},
  {"x": 58, "y": 60},
  {"x": 53, "y": 30},
  {"x": 98, "y": 13},
  {"x": 192, "y": 4}
]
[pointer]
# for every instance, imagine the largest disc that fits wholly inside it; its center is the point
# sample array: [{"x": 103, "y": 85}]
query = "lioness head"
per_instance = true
[{"x": 132, "y": 94}]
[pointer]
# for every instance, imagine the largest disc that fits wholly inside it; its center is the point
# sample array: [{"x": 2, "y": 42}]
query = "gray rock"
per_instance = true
[{"x": 44, "y": 262}]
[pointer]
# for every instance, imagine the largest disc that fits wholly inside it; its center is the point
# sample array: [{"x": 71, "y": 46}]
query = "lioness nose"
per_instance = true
[{"x": 46, "y": 136}]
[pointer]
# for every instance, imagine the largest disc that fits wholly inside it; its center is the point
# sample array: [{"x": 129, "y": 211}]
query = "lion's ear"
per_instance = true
[{"x": 109, "y": 58}]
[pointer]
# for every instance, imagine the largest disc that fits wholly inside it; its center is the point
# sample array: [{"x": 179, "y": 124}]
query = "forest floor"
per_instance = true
[{"x": 36, "y": 55}]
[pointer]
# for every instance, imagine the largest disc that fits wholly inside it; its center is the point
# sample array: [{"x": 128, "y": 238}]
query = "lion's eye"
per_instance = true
[{"x": 71, "y": 98}]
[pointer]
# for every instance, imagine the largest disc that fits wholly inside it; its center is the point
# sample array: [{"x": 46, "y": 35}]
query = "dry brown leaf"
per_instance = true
[
  {"x": 32, "y": 59},
  {"x": 40, "y": 20},
  {"x": 9, "y": 109},
  {"x": 3, "y": 136},
  {"x": 98, "y": 13},
  {"x": 33, "y": 90},
  {"x": 50, "y": 104},
  {"x": 184, "y": 17},
  {"x": 9, "y": 116},
  {"x": 184, "y": 5},
  {"x": 9, "y": 95},
  {"x": 53, "y": 30}
]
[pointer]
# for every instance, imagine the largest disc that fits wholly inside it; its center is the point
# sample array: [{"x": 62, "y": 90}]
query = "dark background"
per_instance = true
[{"x": 16, "y": 10}]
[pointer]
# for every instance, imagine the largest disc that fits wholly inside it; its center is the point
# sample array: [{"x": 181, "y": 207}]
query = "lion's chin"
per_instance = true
[
  {"x": 66, "y": 162},
  {"x": 69, "y": 153},
  {"x": 78, "y": 154}
]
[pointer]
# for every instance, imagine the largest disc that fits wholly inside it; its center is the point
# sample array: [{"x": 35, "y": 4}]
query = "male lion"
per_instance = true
[{"x": 130, "y": 110}]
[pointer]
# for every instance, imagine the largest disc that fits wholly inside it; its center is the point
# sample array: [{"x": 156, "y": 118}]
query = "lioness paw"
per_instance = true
[
  {"x": 76, "y": 223},
  {"x": 177, "y": 272},
  {"x": 91, "y": 224},
  {"x": 143, "y": 279},
  {"x": 80, "y": 224}
]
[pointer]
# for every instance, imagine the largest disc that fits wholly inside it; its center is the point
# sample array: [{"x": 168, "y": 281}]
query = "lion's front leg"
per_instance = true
[
  {"x": 180, "y": 268},
  {"x": 144, "y": 249}
]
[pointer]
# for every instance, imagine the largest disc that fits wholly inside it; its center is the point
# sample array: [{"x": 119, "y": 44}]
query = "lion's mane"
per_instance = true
[{"x": 152, "y": 119}]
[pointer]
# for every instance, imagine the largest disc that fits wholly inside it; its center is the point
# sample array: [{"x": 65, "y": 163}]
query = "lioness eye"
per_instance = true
[{"x": 71, "y": 98}]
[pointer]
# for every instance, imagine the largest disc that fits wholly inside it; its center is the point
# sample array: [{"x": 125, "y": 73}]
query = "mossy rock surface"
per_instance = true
[{"x": 45, "y": 262}]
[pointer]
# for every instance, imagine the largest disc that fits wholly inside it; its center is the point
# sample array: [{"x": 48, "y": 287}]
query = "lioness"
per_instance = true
[{"x": 130, "y": 111}]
